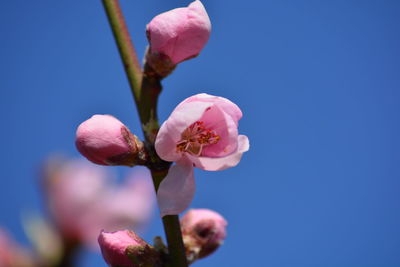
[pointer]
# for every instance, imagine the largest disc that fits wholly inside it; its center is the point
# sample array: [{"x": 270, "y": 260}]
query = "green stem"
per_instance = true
[
  {"x": 151, "y": 88},
  {"x": 158, "y": 176},
  {"x": 145, "y": 89},
  {"x": 173, "y": 232},
  {"x": 125, "y": 46}
]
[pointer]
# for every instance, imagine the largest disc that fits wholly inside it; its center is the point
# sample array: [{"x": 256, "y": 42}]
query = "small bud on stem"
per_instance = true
[
  {"x": 177, "y": 35},
  {"x": 105, "y": 140},
  {"x": 126, "y": 249},
  {"x": 203, "y": 232}
]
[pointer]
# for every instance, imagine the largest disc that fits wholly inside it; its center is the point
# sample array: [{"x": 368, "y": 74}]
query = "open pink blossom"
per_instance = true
[
  {"x": 203, "y": 232},
  {"x": 180, "y": 33},
  {"x": 84, "y": 198},
  {"x": 202, "y": 132}
]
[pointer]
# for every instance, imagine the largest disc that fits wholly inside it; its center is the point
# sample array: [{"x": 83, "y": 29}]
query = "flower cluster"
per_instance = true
[
  {"x": 201, "y": 132},
  {"x": 87, "y": 207}
]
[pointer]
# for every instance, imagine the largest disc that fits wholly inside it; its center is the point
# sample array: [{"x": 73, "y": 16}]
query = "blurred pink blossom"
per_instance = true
[
  {"x": 126, "y": 249},
  {"x": 180, "y": 33},
  {"x": 84, "y": 198},
  {"x": 12, "y": 254},
  {"x": 202, "y": 131}
]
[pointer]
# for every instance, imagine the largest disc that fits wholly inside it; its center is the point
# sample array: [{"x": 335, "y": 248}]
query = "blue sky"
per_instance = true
[{"x": 318, "y": 83}]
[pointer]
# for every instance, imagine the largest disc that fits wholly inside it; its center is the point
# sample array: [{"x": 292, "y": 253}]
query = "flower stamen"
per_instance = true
[{"x": 195, "y": 137}]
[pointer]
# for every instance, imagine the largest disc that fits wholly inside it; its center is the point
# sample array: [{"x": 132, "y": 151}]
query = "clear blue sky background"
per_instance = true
[{"x": 319, "y": 86}]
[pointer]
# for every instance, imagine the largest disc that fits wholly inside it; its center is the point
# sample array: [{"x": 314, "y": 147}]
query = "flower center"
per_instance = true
[{"x": 195, "y": 137}]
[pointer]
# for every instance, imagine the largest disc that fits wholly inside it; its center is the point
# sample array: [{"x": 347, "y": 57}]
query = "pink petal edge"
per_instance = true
[
  {"x": 220, "y": 121},
  {"x": 225, "y": 104},
  {"x": 177, "y": 189},
  {"x": 219, "y": 164}
]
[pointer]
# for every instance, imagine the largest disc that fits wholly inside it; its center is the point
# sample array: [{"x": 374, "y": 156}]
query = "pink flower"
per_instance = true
[
  {"x": 203, "y": 232},
  {"x": 130, "y": 204},
  {"x": 105, "y": 140},
  {"x": 180, "y": 33},
  {"x": 202, "y": 131},
  {"x": 126, "y": 249},
  {"x": 84, "y": 198}
]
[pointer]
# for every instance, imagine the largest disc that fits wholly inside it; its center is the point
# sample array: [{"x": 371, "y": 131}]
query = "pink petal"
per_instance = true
[
  {"x": 171, "y": 130},
  {"x": 176, "y": 191},
  {"x": 216, "y": 119},
  {"x": 225, "y": 104},
  {"x": 194, "y": 33},
  {"x": 164, "y": 30},
  {"x": 219, "y": 164}
]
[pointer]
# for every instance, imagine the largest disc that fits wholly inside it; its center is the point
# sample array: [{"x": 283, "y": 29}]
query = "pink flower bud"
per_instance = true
[
  {"x": 104, "y": 140},
  {"x": 126, "y": 249},
  {"x": 180, "y": 33},
  {"x": 203, "y": 232}
]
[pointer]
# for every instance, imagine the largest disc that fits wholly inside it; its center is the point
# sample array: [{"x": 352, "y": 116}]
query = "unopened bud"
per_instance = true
[
  {"x": 126, "y": 249},
  {"x": 105, "y": 140},
  {"x": 178, "y": 34},
  {"x": 203, "y": 232}
]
